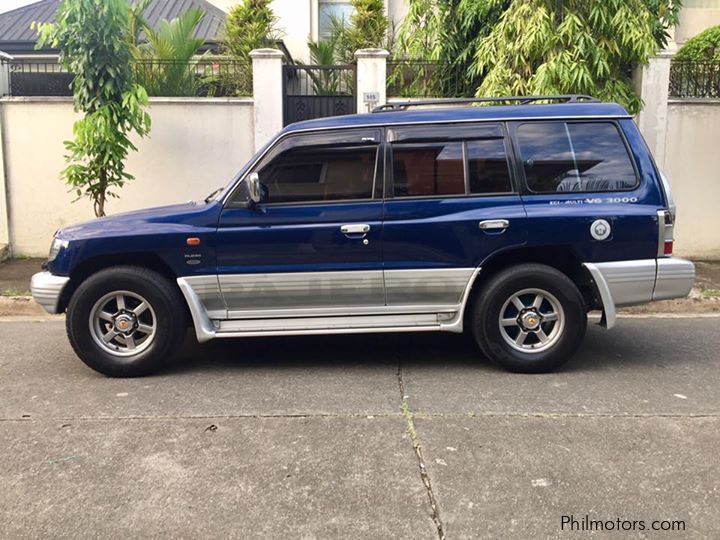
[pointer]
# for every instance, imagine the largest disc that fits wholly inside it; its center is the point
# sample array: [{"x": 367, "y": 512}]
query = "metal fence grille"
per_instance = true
[
  {"x": 695, "y": 80},
  {"x": 419, "y": 78},
  {"x": 204, "y": 77},
  {"x": 312, "y": 91}
]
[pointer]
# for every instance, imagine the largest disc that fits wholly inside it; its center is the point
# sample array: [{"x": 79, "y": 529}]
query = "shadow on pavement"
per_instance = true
[{"x": 627, "y": 346}]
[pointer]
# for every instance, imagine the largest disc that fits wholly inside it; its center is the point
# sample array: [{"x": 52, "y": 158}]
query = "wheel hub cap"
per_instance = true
[
  {"x": 530, "y": 320},
  {"x": 125, "y": 323}
]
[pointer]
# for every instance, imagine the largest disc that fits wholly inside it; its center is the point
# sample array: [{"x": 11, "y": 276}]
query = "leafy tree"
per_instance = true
[
  {"x": 368, "y": 28},
  {"x": 250, "y": 25},
  {"x": 92, "y": 36},
  {"x": 506, "y": 47},
  {"x": 575, "y": 46},
  {"x": 169, "y": 68},
  {"x": 447, "y": 32},
  {"x": 705, "y": 47}
]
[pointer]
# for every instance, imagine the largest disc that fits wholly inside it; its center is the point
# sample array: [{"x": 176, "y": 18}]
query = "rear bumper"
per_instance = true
[
  {"x": 628, "y": 283},
  {"x": 46, "y": 290}
]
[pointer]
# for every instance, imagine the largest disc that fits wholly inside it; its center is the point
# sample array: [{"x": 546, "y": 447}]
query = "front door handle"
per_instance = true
[
  {"x": 355, "y": 228},
  {"x": 494, "y": 225}
]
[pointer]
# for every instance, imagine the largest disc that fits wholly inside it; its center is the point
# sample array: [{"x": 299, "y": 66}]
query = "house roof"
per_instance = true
[
  {"x": 464, "y": 114},
  {"x": 17, "y": 36}
]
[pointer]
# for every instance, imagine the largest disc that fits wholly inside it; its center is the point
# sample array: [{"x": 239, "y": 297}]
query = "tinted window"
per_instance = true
[
  {"x": 428, "y": 169},
  {"x": 560, "y": 157},
  {"x": 319, "y": 174},
  {"x": 488, "y": 167}
]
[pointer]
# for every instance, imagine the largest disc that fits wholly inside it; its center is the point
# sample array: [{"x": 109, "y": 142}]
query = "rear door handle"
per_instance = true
[
  {"x": 355, "y": 228},
  {"x": 494, "y": 224}
]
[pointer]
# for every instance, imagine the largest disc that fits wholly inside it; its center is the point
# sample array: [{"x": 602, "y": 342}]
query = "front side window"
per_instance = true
[
  {"x": 304, "y": 174},
  {"x": 574, "y": 157}
]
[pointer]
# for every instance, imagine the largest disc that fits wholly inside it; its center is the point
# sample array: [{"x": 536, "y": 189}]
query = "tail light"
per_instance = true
[{"x": 666, "y": 225}]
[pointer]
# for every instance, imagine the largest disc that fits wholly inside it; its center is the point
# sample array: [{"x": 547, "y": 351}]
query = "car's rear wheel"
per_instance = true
[
  {"x": 126, "y": 321},
  {"x": 529, "y": 319}
]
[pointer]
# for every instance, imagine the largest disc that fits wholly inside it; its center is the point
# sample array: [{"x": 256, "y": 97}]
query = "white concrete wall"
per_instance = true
[
  {"x": 696, "y": 16},
  {"x": 692, "y": 164},
  {"x": 297, "y": 22},
  {"x": 196, "y": 145}
]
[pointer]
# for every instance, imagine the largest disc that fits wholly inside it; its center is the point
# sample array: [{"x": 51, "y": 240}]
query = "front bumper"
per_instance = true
[
  {"x": 628, "y": 283},
  {"x": 46, "y": 290}
]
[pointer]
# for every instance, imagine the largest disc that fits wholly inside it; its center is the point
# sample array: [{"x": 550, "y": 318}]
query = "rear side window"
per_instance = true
[
  {"x": 488, "y": 166},
  {"x": 574, "y": 157},
  {"x": 446, "y": 168},
  {"x": 428, "y": 169}
]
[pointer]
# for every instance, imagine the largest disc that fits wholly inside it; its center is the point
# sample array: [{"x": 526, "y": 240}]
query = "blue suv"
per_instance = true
[{"x": 511, "y": 221}]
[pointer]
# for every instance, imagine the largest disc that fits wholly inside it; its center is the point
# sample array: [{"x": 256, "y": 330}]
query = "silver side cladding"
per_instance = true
[
  {"x": 207, "y": 289},
  {"x": 675, "y": 278},
  {"x": 302, "y": 290},
  {"x": 46, "y": 290},
  {"x": 432, "y": 286},
  {"x": 629, "y": 282}
]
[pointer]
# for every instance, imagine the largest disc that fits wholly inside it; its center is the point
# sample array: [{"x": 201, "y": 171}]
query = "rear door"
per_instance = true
[
  {"x": 450, "y": 204},
  {"x": 313, "y": 245}
]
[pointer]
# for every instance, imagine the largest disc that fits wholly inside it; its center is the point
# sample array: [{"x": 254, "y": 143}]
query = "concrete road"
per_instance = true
[{"x": 396, "y": 436}]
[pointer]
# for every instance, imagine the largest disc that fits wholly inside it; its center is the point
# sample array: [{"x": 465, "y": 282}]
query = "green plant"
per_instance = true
[
  {"x": 492, "y": 47},
  {"x": 368, "y": 28},
  {"x": 665, "y": 15},
  {"x": 548, "y": 47},
  {"x": 444, "y": 32},
  {"x": 324, "y": 53},
  {"x": 167, "y": 64},
  {"x": 92, "y": 37},
  {"x": 704, "y": 47},
  {"x": 249, "y": 25}
]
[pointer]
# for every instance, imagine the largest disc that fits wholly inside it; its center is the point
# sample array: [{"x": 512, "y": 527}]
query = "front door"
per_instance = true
[
  {"x": 313, "y": 245},
  {"x": 450, "y": 205}
]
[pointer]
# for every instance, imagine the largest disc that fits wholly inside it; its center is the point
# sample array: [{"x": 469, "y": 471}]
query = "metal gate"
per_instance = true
[{"x": 317, "y": 91}]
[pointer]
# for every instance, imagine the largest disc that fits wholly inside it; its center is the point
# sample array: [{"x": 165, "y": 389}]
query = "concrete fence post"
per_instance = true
[
  {"x": 4, "y": 217},
  {"x": 653, "y": 85},
  {"x": 5, "y": 60},
  {"x": 371, "y": 78},
  {"x": 267, "y": 93}
]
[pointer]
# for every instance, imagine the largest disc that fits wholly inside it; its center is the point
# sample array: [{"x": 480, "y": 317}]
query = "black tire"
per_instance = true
[
  {"x": 495, "y": 297},
  {"x": 169, "y": 313}
]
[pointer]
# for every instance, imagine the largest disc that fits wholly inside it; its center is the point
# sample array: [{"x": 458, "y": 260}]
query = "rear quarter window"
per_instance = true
[{"x": 576, "y": 157}]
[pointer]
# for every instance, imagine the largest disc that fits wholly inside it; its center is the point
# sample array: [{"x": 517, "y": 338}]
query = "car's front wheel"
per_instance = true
[
  {"x": 126, "y": 321},
  {"x": 530, "y": 318}
]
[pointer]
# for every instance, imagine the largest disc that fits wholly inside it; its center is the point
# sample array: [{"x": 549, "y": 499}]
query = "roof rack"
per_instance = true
[{"x": 521, "y": 100}]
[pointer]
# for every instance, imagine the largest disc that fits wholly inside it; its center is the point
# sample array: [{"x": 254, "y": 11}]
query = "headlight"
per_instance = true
[{"x": 55, "y": 247}]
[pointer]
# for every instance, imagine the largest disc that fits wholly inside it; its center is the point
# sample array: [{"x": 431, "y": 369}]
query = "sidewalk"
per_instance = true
[{"x": 705, "y": 298}]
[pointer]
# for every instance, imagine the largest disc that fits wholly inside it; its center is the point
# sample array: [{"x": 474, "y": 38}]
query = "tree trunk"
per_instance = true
[{"x": 100, "y": 197}]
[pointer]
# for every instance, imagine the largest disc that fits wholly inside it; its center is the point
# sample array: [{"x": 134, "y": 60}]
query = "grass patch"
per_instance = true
[
  {"x": 14, "y": 292},
  {"x": 710, "y": 293}
]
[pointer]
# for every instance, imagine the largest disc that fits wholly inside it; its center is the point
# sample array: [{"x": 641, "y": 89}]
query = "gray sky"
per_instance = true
[{"x": 7, "y": 5}]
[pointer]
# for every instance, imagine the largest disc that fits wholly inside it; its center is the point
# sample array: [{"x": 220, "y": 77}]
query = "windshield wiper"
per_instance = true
[{"x": 213, "y": 195}]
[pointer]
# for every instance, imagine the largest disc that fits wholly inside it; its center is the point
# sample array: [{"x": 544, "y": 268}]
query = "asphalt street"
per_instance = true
[{"x": 381, "y": 436}]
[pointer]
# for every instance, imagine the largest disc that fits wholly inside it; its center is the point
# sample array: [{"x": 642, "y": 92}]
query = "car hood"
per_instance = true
[{"x": 198, "y": 214}]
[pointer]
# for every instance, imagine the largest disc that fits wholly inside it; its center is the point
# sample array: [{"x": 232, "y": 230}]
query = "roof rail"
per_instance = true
[{"x": 520, "y": 100}]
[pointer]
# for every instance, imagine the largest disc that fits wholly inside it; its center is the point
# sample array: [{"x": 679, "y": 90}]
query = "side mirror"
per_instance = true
[{"x": 254, "y": 189}]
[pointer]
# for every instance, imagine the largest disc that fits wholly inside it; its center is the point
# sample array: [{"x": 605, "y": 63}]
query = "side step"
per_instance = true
[{"x": 328, "y": 325}]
